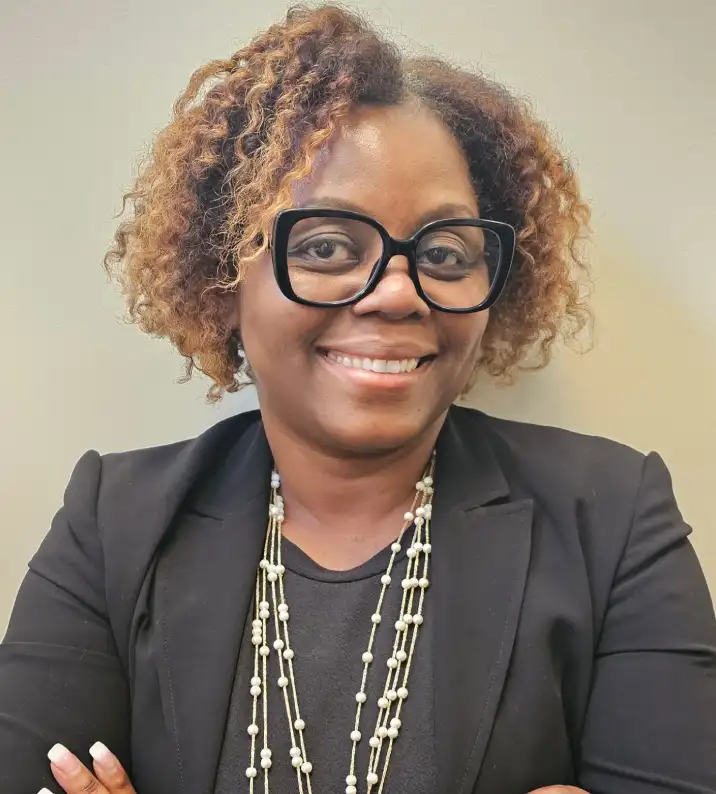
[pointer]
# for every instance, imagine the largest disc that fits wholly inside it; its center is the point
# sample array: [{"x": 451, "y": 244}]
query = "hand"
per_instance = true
[
  {"x": 109, "y": 777},
  {"x": 559, "y": 790}
]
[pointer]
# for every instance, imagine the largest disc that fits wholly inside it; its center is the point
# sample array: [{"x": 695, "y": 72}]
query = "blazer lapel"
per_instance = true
[
  {"x": 205, "y": 582},
  {"x": 480, "y": 563}
]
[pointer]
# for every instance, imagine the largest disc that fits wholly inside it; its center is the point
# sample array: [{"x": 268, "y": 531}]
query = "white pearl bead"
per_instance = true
[
  {"x": 255, "y": 691},
  {"x": 271, "y": 568},
  {"x": 272, "y": 576},
  {"x": 418, "y": 620},
  {"x": 281, "y": 569},
  {"x": 265, "y": 753},
  {"x": 395, "y": 723},
  {"x": 255, "y": 681},
  {"x": 253, "y": 730},
  {"x": 282, "y": 682},
  {"x": 400, "y": 625},
  {"x": 372, "y": 778},
  {"x": 418, "y": 546},
  {"x": 265, "y": 763},
  {"x": 414, "y": 582},
  {"x": 351, "y": 780},
  {"x": 264, "y": 650},
  {"x": 264, "y": 605},
  {"x": 288, "y": 654},
  {"x": 392, "y": 663},
  {"x": 351, "y": 790},
  {"x": 383, "y": 703},
  {"x": 264, "y": 564},
  {"x": 299, "y": 725},
  {"x": 382, "y": 732},
  {"x": 283, "y": 616},
  {"x": 419, "y": 486},
  {"x": 406, "y": 583},
  {"x": 295, "y": 752},
  {"x": 385, "y": 579},
  {"x": 395, "y": 547},
  {"x": 251, "y": 772},
  {"x": 355, "y": 736},
  {"x": 420, "y": 512},
  {"x": 278, "y": 645},
  {"x": 306, "y": 767},
  {"x": 411, "y": 553},
  {"x": 408, "y": 516},
  {"x": 257, "y": 624},
  {"x": 361, "y": 697},
  {"x": 297, "y": 761},
  {"x": 423, "y": 582},
  {"x": 264, "y": 614},
  {"x": 375, "y": 618},
  {"x": 374, "y": 742},
  {"x": 367, "y": 657},
  {"x": 402, "y": 693},
  {"x": 428, "y": 481},
  {"x": 256, "y": 640},
  {"x": 407, "y": 619},
  {"x": 427, "y": 548},
  {"x": 283, "y": 607},
  {"x": 391, "y": 694},
  {"x": 392, "y": 733},
  {"x": 401, "y": 655}
]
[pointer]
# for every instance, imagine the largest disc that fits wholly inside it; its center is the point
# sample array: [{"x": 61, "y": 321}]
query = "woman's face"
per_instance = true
[{"x": 402, "y": 167}]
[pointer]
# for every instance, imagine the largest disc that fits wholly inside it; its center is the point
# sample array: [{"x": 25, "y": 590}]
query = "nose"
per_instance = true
[{"x": 394, "y": 296}]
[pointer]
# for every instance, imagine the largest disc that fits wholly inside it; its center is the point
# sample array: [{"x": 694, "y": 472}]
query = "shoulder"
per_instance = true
[
  {"x": 168, "y": 462},
  {"x": 563, "y": 467},
  {"x": 152, "y": 467}
]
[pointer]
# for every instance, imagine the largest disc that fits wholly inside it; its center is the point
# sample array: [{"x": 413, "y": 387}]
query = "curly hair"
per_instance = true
[{"x": 247, "y": 127}]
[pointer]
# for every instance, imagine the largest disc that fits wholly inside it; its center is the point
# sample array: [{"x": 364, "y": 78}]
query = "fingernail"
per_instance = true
[
  {"x": 103, "y": 757},
  {"x": 63, "y": 759}
]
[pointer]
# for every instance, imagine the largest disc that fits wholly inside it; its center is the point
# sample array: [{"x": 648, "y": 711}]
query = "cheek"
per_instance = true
[{"x": 464, "y": 335}]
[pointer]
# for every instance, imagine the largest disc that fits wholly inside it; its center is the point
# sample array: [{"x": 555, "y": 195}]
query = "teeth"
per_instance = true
[{"x": 392, "y": 366}]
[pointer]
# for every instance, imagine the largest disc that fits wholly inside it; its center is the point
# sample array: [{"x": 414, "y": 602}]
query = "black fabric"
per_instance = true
[
  {"x": 329, "y": 626},
  {"x": 573, "y": 637}
]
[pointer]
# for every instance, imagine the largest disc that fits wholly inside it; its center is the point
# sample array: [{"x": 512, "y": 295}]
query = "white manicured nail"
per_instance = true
[
  {"x": 63, "y": 759},
  {"x": 103, "y": 756}
]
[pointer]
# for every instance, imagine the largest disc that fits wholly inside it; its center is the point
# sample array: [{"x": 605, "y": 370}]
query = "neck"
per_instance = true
[{"x": 327, "y": 494}]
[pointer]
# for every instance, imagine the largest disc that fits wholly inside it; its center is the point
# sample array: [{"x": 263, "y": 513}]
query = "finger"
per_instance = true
[
  {"x": 72, "y": 774},
  {"x": 109, "y": 771}
]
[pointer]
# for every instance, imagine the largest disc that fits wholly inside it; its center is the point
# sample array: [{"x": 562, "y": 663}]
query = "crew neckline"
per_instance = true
[{"x": 299, "y": 563}]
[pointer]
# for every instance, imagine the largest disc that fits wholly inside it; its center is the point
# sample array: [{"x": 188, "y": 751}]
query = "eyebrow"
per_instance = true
[{"x": 438, "y": 213}]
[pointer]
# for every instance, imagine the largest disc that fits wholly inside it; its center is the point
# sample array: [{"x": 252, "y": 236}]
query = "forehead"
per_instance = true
[{"x": 395, "y": 164}]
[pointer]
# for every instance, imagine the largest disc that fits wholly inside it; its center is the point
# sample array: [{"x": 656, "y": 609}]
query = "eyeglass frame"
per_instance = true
[{"x": 287, "y": 219}]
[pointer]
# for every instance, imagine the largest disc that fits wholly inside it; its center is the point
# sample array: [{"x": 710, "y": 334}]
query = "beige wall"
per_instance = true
[{"x": 628, "y": 83}]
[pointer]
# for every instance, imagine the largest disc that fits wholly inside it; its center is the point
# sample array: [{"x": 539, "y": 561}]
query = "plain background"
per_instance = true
[{"x": 628, "y": 84}]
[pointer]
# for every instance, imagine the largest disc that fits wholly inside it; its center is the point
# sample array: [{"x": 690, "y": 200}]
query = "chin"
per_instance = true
[{"x": 371, "y": 432}]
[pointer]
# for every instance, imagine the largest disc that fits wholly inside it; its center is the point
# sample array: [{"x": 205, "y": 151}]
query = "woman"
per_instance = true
[{"x": 360, "y": 587}]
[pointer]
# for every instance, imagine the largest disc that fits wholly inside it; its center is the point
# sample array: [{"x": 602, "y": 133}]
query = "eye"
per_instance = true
[
  {"x": 326, "y": 249},
  {"x": 440, "y": 255}
]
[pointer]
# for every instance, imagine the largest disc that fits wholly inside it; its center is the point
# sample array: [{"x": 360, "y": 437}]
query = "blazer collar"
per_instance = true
[{"x": 206, "y": 574}]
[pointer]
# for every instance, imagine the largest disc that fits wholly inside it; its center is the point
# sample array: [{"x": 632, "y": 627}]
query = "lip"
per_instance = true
[{"x": 386, "y": 381}]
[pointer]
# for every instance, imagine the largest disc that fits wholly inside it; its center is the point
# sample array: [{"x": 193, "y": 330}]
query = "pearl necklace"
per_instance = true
[{"x": 270, "y": 585}]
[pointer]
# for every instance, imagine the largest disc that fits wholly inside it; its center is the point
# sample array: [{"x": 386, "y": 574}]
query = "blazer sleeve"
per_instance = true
[
  {"x": 60, "y": 677},
  {"x": 651, "y": 722}
]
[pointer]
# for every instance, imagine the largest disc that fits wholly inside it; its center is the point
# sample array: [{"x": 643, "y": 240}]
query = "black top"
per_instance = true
[
  {"x": 574, "y": 639},
  {"x": 329, "y": 623}
]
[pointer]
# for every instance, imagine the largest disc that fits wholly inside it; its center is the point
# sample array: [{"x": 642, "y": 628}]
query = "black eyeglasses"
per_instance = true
[{"x": 328, "y": 258}]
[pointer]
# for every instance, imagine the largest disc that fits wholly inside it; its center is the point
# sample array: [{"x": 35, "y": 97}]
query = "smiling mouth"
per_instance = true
[{"x": 380, "y": 365}]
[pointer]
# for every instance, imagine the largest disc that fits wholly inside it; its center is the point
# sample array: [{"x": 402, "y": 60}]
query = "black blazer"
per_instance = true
[{"x": 574, "y": 637}]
